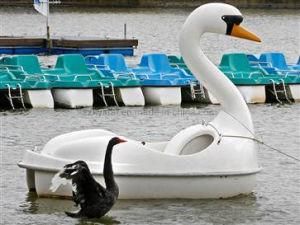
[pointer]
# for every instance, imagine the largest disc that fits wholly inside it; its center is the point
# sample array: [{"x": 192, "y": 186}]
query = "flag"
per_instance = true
[{"x": 41, "y": 6}]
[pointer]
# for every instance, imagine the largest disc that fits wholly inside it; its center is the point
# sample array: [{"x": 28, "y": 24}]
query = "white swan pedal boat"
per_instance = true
[{"x": 213, "y": 160}]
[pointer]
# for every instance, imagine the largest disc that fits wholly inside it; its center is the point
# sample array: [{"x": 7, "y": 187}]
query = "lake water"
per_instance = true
[{"x": 276, "y": 197}]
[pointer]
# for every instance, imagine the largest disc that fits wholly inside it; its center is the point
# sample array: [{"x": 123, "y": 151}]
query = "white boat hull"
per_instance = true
[
  {"x": 295, "y": 91},
  {"x": 132, "y": 96},
  {"x": 211, "y": 98},
  {"x": 195, "y": 163},
  {"x": 162, "y": 95},
  {"x": 73, "y": 98},
  {"x": 158, "y": 187},
  {"x": 253, "y": 94},
  {"x": 39, "y": 98}
]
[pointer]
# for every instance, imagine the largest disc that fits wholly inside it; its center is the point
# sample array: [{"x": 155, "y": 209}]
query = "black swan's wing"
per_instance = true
[{"x": 100, "y": 189}]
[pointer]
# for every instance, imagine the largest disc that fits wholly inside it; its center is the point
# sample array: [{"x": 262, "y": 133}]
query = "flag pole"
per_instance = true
[{"x": 48, "y": 28}]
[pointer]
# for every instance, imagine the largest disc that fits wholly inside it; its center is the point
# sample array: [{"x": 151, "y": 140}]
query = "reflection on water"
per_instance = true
[
  {"x": 30, "y": 205},
  {"x": 53, "y": 206},
  {"x": 154, "y": 211}
]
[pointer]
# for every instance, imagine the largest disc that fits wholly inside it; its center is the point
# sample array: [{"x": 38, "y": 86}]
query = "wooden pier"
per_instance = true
[{"x": 63, "y": 45}]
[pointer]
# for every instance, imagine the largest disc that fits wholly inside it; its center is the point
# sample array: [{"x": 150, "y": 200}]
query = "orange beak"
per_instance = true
[{"x": 241, "y": 32}]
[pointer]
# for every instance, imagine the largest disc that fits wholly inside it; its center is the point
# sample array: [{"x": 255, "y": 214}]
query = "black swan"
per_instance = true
[{"x": 94, "y": 199}]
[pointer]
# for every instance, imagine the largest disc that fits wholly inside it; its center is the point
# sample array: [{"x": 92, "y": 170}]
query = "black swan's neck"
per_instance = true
[{"x": 108, "y": 172}]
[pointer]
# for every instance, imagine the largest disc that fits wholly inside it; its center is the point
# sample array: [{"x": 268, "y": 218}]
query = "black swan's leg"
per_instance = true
[{"x": 75, "y": 199}]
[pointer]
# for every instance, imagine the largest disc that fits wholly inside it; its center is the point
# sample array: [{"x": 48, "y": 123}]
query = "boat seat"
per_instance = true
[
  {"x": 29, "y": 63},
  {"x": 174, "y": 59},
  {"x": 74, "y": 64},
  {"x": 275, "y": 59},
  {"x": 157, "y": 66},
  {"x": 26, "y": 68},
  {"x": 159, "y": 63},
  {"x": 277, "y": 64},
  {"x": 191, "y": 140},
  {"x": 238, "y": 64},
  {"x": 178, "y": 62},
  {"x": 94, "y": 60},
  {"x": 115, "y": 62},
  {"x": 116, "y": 65},
  {"x": 253, "y": 58}
]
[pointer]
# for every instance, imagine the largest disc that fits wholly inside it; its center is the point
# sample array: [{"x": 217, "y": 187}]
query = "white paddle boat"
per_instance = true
[{"x": 210, "y": 160}]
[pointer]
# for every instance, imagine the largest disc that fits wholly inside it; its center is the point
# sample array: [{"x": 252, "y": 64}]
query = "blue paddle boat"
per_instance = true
[{"x": 162, "y": 84}]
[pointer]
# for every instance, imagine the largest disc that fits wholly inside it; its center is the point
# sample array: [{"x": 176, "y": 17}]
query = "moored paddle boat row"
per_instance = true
[
  {"x": 106, "y": 79},
  {"x": 264, "y": 79},
  {"x": 72, "y": 83}
]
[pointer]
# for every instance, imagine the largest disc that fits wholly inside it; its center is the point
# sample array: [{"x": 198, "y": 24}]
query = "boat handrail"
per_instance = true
[
  {"x": 82, "y": 75},
  {"x": 53, "y": 75},
  {"x": 120, "y": 74},
  {"x": 13, "y": 66},
  {"x": 92, "y": 65},
  {"x": 255, "y": 72},
  {"x": 162, "y": 75},
  {"x": 144, "y": 74},
  {"x": 39, "y": 76},
  {"x": 269, "y": 64},
  {"x": 176, "y": 65},
  {"x": 97, "y": 66},
  {"x": 287, "y": 71},
  {"x": 230, "y": 72}
]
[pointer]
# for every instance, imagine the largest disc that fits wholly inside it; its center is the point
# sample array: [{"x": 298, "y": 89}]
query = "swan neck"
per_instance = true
[
  {"x": 212, "y": 78},
  {"x": 108, "y": 169}
]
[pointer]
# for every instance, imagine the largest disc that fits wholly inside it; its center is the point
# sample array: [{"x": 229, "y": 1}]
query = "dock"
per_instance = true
[{"x": 65, "y": 45}]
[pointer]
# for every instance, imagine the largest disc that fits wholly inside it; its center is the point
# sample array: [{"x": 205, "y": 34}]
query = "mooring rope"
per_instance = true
[
  {"x": 251, "y": 138},
  {"x": 263, "y": 143}
]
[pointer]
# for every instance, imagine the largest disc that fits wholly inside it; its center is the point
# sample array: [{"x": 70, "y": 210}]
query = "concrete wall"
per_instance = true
[{"x": 289, "y": 4}]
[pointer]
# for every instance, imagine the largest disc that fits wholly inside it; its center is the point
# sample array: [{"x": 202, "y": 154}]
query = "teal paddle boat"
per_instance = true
[
  {"x": 275, "y": 63},
  {"x": 19, "y": 86}
]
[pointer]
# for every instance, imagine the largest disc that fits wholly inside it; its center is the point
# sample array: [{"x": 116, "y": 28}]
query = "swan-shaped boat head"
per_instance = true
[{"x": 223, "y": 19}]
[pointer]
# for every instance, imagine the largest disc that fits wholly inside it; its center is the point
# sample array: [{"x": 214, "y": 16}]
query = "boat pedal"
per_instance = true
[
  {"x": 279, "y": 89},
  {"x": 15, "y": 94},
  {"x": 196, "y": 90},
  {"x": 108, "y": 91}
]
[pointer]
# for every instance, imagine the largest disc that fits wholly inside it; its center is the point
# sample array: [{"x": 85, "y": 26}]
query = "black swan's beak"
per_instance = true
[{"x": 121, "y": 141}]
